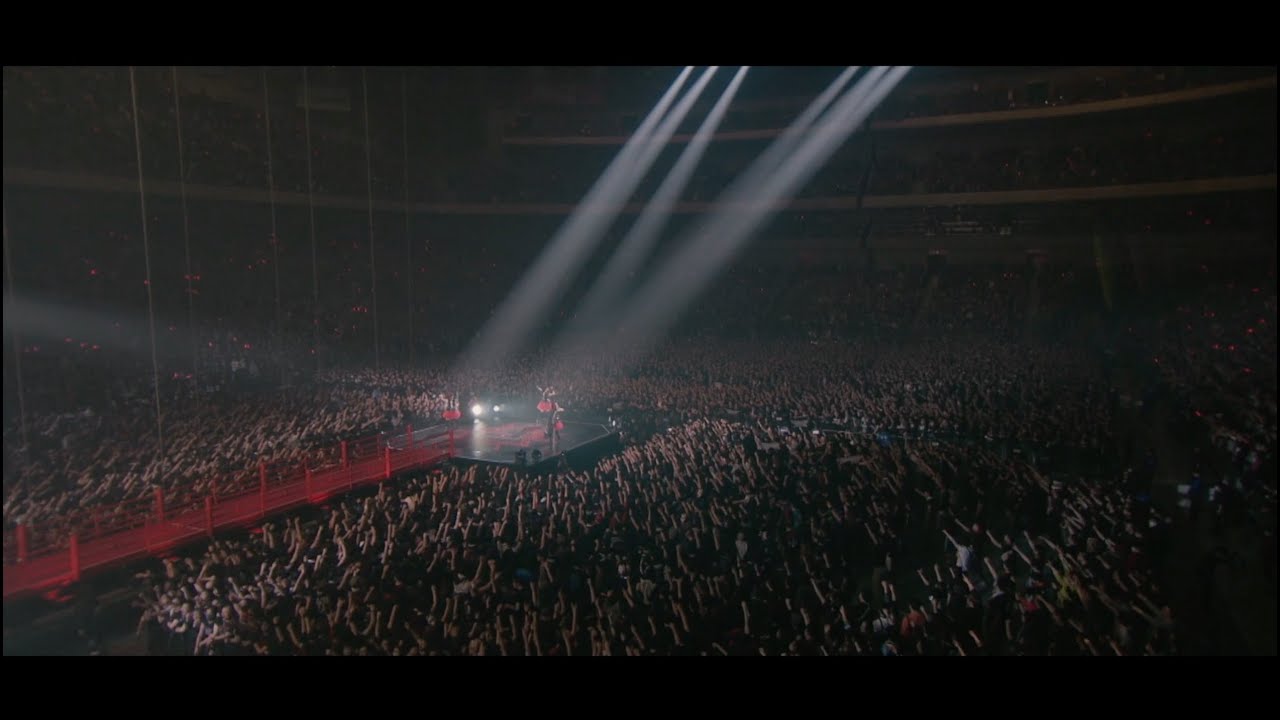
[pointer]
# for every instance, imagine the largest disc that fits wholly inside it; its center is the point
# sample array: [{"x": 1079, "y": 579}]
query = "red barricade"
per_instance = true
[{"x": 40, "y": 557}]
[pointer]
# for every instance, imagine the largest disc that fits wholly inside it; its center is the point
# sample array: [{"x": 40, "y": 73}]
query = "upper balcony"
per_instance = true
[{"x": 1007, "y": 96}]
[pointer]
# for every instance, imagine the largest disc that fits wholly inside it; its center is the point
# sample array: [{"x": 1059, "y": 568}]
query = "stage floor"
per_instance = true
[{"x": 497, "y": 442}]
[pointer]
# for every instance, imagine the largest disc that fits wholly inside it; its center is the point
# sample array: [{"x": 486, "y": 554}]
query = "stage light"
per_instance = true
[
  {"x": 497, "y": 409},
  {"x": 576, "y": 240},
  {"x": 636, "y": 246},
  {"x": 477, "y": 410},
  {"x": 769, "y": 182}
]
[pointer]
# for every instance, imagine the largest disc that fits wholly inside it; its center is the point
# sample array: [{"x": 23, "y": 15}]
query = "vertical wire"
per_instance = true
[
  {"x": 146, "y": 255},
  {"x": 275, "y": 241},
  {"x": 186, "y": 234},
  {"x": 13, "y": 328},
  {"x": 368, "y": 173},
  {"x": 408, "y": 237},
  {"x": 311, "y": 209}
]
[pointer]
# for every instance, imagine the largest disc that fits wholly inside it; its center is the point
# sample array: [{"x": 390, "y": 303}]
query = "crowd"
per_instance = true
[
  {"x": 920, "y": 97},
  {"x": 1062, "y": 89},
  {"x": 76, "y": 461},
  {"x": 225, "y": 142},
  {"x": 1131, "y": 155},
  {"x": 713, "y": 538},
  {"x": 752, "y": 536},
  {"x": 1215, "y": 354},
  {"x": 934, "y": 410},
  {"x": 818, "y": 460},
  {"x": 81, "y": 119},
  {"x": 946, "y": 353},
  {"x": 733, "y": 536},
  {"x": 1140, "y": 158},
  {"x": 1163, "y": 145},
  {"x": 81, "y": 469}
]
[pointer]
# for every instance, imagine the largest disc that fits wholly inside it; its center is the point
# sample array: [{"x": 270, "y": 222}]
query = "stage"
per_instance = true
[{"x": 496, "y": 441}]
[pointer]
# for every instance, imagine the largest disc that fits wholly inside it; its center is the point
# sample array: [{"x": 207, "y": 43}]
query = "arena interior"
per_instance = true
[{"x": 588, "y": 361}]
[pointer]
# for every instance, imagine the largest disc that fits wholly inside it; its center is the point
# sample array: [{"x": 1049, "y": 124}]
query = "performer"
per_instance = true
[
  {"x": 548, "y": 403},
  {"x": 452, "y": 412},
  {"x": 552, "y": 414},
  {"x": 554, "y": 426}
]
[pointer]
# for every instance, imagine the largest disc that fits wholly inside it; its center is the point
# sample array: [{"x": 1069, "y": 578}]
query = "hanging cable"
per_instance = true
[
  {"x": 275, "y": 241},
  {"x": 13, "y": 327},
  {"x": 186, "y": 234},
  {"x": 408, "y": 236},
  {"x": 146, "y": 255},
  {"x": 368, "y": 173},
  {"x": 311, "y": 209}
]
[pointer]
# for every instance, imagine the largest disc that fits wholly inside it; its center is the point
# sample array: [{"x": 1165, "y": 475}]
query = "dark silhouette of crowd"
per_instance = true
[
  {"x": 81, "y": 119},
  {"x": 819, "y": 459},
  {"x": 713, "y": 538},
  {"x": 1221, "y": 138},
  {"x": 960, "y": 490},
  {"x": 921, "y": 98},
  {"x": 225, "y": 141}
]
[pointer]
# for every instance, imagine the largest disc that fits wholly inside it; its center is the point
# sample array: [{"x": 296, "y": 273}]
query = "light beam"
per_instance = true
[
  {"x": 639, "y": 240},
  {"x": 573, "y": 243},
  {"x": 746, "y": 204}
]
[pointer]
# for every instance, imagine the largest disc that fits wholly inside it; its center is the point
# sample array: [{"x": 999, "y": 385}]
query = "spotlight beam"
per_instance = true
[
  {"x": 639, "y": 165},
  {"x": 747, "y": 202},
  {"x": 639, "y": 240},
  {"x": 575, "y": 240},
  {"x": 781, "y": 148},
  {"x": 600, "y": 300},
  {"x": 52, "y": 321}
]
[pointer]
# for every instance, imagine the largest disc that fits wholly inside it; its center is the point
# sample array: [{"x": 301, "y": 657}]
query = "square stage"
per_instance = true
[{"x": 498, "y": 441}]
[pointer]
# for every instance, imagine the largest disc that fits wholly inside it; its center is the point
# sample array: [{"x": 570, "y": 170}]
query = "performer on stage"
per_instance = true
[
  {"x": 554, "y": 426},
  {"x": 452, "y": 413},
  {"x": 552, "y": 416},
  {"x": 548, "y": 403}
]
